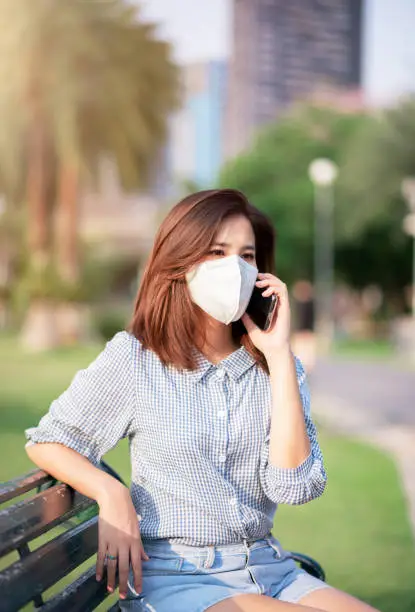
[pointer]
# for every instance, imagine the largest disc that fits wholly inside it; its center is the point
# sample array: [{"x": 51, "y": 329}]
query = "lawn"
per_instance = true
[
  {"x": 364, "y": 349},
  {"x": 358, "y": 530}
]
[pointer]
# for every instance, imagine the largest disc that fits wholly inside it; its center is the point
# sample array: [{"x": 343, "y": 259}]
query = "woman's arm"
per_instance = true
[
  {"x": 119, "y": 533},
  {"x": 70, "y": 467},
  {"x": 289, "y": 442},
  {"x": 291, "y": 467},
  {"x": 88, "y": 419}
]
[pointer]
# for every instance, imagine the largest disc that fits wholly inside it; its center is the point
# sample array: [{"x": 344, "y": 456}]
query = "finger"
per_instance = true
[
  {"x": 123, "y": 569},
  {"x": 269, "y": 292},
  {"x": 249, "y": 324},
  {"x": 274, "y": 280},
  {"x": 271, "y": 283},
  {"x": 100, "y": 562},
  {"x": 136, "y": 553},
  {"x": 111, "y": 569}
]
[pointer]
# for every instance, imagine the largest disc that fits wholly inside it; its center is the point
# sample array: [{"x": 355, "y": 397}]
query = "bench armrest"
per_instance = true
[{"x": 309, "y": 564}]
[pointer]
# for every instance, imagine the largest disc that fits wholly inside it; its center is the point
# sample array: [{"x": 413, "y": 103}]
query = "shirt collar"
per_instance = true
[{"x": 235, "y": 365}]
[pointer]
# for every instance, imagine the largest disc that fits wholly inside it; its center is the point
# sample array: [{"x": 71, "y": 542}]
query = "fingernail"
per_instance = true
[
  {"x": 110, "y": 589},
  {"x": 98, "y": 577},
  {"x": 123, "y": 595}
]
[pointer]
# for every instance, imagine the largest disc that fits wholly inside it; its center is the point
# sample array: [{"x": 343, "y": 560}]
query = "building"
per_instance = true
[
  {"x": 282, "y": 52},
  {"x": 194, "y": 151}
]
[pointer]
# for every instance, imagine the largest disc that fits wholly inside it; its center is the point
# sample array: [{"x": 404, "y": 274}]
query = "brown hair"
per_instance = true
[{"x": 165, "y": 319}]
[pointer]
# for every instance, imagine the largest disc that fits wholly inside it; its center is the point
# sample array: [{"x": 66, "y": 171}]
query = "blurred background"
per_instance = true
[{"x": 112, "y": 110}]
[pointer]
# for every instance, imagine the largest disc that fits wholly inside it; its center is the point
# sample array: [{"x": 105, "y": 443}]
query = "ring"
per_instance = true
[{"x": 111, "y": 557}]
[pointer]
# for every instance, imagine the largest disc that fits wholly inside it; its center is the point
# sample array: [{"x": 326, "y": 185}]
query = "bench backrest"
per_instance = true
[{"x": 46, "y": 505}]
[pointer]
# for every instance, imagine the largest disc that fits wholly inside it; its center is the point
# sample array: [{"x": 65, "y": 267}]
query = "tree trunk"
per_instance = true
[
  {"x": 71, "y": 316},
  {"x": 66, "y": 230},
  {"x": 37, "y": 222},
  {"x": 38, "y": 331}
]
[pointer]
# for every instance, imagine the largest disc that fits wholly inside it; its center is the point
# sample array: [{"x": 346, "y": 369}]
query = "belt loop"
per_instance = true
[
  {"x": 274, "y": 546},
  {"x": 210, "y": 559}
]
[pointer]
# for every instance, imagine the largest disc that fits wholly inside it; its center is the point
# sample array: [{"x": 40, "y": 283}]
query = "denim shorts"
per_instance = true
[{"x": 182, "y": 578}]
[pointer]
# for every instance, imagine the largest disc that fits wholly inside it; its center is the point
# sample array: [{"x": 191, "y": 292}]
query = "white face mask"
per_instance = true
[{"x": 222, "y": 287}]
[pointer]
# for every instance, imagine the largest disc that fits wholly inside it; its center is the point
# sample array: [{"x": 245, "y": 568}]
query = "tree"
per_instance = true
[
  {"x": 374, "y": 153},
  {"x": 274, "y": 175},
  {"x": 378, "y": 159},
  {"x": 85, "y": 78}
]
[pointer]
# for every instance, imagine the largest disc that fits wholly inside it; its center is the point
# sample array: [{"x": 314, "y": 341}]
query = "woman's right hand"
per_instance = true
[{"x": 119, "y": 537}]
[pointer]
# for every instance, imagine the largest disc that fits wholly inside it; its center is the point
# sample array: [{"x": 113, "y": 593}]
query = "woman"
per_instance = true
[{"x": 217, "y": 414}]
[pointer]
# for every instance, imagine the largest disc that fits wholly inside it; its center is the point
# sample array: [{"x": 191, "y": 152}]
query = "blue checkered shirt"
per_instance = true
[{"x": 199, "y": 441}]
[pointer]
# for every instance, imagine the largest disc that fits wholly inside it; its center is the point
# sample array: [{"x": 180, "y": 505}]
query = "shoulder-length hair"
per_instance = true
[{"x": 165, "y": 319}]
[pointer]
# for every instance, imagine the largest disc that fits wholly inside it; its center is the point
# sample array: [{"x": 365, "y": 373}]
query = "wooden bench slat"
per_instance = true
[
  {"x": 45, "y": 566},
  {"x": 84, "y": 594},
  {"x": 31, "y": 517},
  {"x": 13, "y": 488}
]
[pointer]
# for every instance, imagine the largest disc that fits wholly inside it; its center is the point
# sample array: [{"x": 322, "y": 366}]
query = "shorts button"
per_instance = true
[
  {"x": 222, "y": 458},
  {"x": 233, "y": 501}
]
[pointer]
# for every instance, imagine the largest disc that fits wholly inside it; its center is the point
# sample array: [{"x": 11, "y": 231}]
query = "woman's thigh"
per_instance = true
[
  {"x": 258, "y": 603},
  {"x": 333, "y": 600}
]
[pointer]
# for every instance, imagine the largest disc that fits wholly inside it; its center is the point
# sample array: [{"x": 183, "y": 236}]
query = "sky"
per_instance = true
[{"x": 201, "y": 30}]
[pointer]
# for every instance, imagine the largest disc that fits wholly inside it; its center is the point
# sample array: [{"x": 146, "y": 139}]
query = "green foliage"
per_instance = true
[
  {"x": 378, "y": 159},
  {"x": 371, "y": 209},
  {"x": 109, "y": 322},
  {"x": 46, "y": 283},
  {"x": 274, "y": 175},
  {"x": 373, "y": 153},
  {"x": 95, "y": 76}
]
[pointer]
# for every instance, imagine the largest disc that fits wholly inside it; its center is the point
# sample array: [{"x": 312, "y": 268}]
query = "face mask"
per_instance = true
[{"x": 222, "y": 287}]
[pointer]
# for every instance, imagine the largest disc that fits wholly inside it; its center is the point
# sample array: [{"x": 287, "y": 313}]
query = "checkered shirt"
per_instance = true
[{"x": 199, "y": 441}]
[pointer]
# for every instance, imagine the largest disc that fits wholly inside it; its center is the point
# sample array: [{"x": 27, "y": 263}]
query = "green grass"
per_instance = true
[
  {"x": 364, "y": 349},
  {"x": 358, "y": 530}
]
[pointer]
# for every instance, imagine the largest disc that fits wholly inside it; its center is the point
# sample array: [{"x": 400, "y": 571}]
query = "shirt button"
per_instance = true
[
  {"x": 233, "y": 501},
  {"x": 222, "y": 458},
  {"x": 221, "y": 373},
  {"x": 222, "y": 414}
]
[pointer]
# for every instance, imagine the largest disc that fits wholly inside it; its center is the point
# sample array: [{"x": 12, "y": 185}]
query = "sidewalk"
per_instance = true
[{"x": 398, "y": 440}]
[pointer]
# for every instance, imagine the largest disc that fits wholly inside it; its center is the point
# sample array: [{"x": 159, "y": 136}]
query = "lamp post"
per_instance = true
[
  {"x": 408, "y": 192},
  {"x": 323, "y": 174}
]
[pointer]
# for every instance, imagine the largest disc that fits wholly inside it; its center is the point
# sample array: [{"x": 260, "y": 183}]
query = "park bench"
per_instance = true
[{"x": 49, "y": 504}]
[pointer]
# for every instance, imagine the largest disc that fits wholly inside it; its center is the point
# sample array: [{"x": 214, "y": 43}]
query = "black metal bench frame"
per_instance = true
[{"x": 56, "y": 504}]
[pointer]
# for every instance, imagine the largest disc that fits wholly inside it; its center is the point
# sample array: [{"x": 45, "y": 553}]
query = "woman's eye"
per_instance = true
[
  {"x": 217, "y": 252},
  {"x": 249, "y": 256}
]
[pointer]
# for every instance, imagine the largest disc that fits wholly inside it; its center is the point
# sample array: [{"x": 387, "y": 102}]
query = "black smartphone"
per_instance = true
[{"x": 262, "y": 309}]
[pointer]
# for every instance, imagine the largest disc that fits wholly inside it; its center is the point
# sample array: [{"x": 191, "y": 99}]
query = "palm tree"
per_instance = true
[{"x": 86, "y": 78}]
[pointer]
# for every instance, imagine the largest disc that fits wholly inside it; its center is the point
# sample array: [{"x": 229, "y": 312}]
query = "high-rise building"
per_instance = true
[
  {"x": 282, "y": 52},
  {"x": 194, "y": 150}
]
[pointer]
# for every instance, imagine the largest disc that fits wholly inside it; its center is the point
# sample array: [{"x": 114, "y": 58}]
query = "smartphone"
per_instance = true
[{"x": 262, "y": 309}]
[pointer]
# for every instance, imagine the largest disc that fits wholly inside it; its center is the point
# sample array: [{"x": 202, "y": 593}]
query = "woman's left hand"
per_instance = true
[{"x": 278, "y": 336}]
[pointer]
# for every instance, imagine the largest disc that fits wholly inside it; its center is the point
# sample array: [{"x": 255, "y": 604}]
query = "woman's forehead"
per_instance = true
[{"x": 235, "y": 229}]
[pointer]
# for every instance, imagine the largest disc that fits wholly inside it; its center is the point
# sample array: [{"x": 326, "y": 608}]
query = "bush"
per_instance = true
[{"x": 107, "y": 324}]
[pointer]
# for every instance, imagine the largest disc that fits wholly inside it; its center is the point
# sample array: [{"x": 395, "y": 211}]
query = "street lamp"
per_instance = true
[
  {"x": 408, "y": 192},
  {"x": 323, "y": 174}
]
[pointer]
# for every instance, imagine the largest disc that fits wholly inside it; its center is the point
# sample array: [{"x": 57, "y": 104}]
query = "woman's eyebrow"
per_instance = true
[{"x": 247, "y": 247}]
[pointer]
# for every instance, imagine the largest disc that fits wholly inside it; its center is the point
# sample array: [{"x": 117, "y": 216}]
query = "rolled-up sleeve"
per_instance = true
[
  {"x": 96, "y": 411},
  {"x": 305, "y": 482}
]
